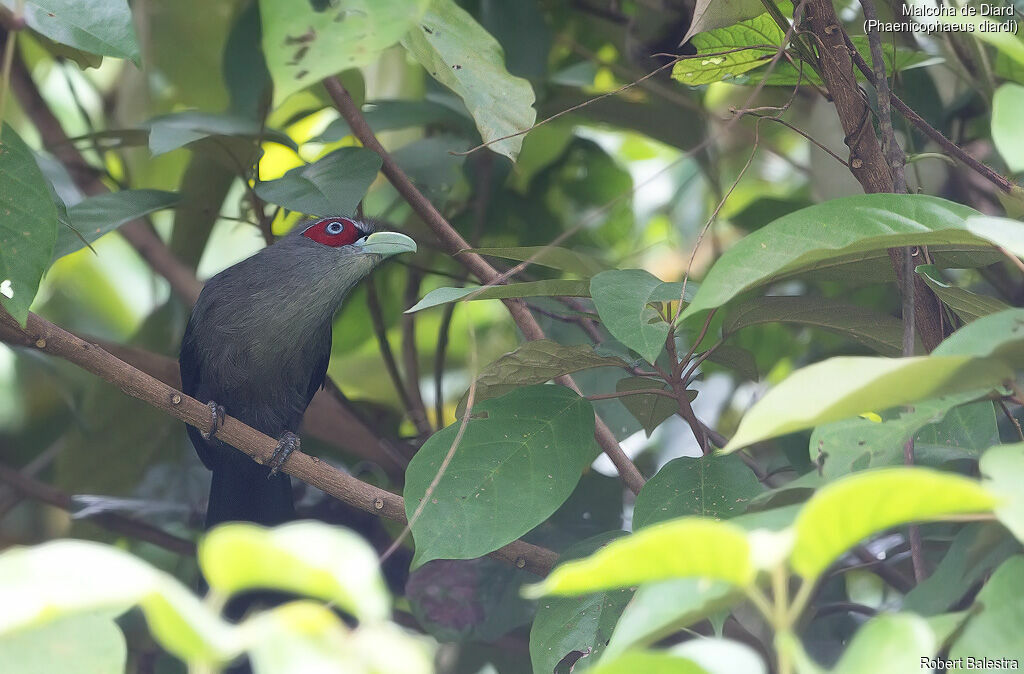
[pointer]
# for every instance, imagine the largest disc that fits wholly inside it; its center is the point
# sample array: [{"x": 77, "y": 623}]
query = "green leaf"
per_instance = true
[
  {"x": 460, "y": 54},
  {"x": 711, "y": 14},
  {"x": 1003, "y": 470},
  {"x": 996, "y": 336},
  {"x": 711, "y": 486},
  {"x": 325, "y": 562},
  {"x": 877, "y": 331},
  {"x": 649, "y": 410},
  {"x": 844, "y": 387},
  {"x": 721, "y": 656},
  {"x": 854, "y": 444},
  {"x": 549, "y": 288},
  {"x": 888, "y": 644},
  {"x": 565, "y": 259},
  {"x": 566, "y": 624},
  {"x": 537, "y": 362},
  {"x": 529, "y": 449},
  {"x": 89, "y": 642},
  {"x": 965, "y": 304},
  {"x": 826, "y": 235},
  {"x": 28, "y": 225},
  {"x": 689, "y": 547},
  {"x": 303, "y": 636},
  {"x": 1006, "y": 106},
  {"x": 836, "y": 518},
  {"x": 975, "y": 551},
  {"x": 332, "y": 185},
  {"x": 994, "y": 629},
  {"x": 660, "y": 609},
  {"x": 176, "y": 130},
  {"x": 735, "y": 358},
  {"x": 95, "y": 26},
  {"x": 66, "y": 577},
  {"x": 649, "y": 662},
  {"x": 622, "y": 297},
  {"x": 759, "y": 38},
  {"x": 95, "y": 216},
  {"x": 306, "y": 42}
]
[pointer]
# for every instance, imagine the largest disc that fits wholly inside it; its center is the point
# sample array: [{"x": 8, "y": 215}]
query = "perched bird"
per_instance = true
[{"x": 257, "y": 346}]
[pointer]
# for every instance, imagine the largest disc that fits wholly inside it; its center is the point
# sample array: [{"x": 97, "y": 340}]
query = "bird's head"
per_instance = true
[{"x": 318, "y": 263}]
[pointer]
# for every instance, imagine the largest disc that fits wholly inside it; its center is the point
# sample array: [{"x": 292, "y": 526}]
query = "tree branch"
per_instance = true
[
  {"x": 120, "y": 524},
  {"x": 46, "y": 337},
  {"x": 867, "y": 163},
  {"x": 453, "y": 243}
]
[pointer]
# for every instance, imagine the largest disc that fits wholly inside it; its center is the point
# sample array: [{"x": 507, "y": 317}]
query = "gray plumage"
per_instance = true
[{"x": 258, "y": 343}]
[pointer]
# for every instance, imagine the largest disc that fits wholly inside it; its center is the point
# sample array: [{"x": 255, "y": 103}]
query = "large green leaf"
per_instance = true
[
  {"x": 1003, "y": 469},
  {"x": 67, "y": 577},
  {"x": 464, "y": 57},
  {"x": 89, "y": 642},
  {"x": 622, "y": 297},
  {"x": 844, "y": 387},
  {"x": 994, "y": 629},
  {"x": 554, "y": 257},
  {"x": 549, "y": 288},
  {"x": 996, "y": 336},
  {"x": 1006, "y": 106},
  {"x": 519, "y": 459},
  {"x": 845, "y": 512},
  {"x": 535, "y": 363},
  {"x": 332, "y": 185},
  {"x": 710, "y": 486},
  {"x": 846, "y": 446},
  {"x": 688, "y": 547},
  {"x": 28, "y": 225},
  {"x": 965, "y": 304},
  {"x": 829, "y": 234},
  {"x": 96, "y": 26},
  {"x": 566, "y": 624},
  {"x": 888, "y": 644},
  {"x": 329, "y": 563},
  {"x": 95, "y": 216},
  {"x": 877, "y": 331},
  {"x": 307, "y": 41},
  {"x": 758, "y": 38}
]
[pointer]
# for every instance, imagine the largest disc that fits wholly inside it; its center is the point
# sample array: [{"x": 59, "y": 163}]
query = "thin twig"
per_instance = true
[
  {"x": 410, "y": 358},
  {"x": 639, "y": 392},
  {"x": 115, "y": 522}
]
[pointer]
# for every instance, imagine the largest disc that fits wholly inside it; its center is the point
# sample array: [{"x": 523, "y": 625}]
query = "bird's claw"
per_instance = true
[
  {"x": 288, "y": 443},
  {"x": 217, "y": 415}
]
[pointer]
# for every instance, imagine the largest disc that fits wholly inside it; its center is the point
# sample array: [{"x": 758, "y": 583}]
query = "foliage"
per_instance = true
[{"x": 679, "y": 245}]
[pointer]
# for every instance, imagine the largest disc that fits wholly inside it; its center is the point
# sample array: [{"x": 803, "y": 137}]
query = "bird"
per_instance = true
[{"x": 257, "y": 345}]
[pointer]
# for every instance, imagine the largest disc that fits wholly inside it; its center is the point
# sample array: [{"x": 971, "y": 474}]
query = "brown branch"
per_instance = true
[
  {"x": 453, "y": 242},
  {"x": 44, "y": 336},
  {"x": 867, "y": 162},
  {"x": 410, "y": 357},
  {"x": 927, "y": 129},
  {"x": 115, "y": 522}
]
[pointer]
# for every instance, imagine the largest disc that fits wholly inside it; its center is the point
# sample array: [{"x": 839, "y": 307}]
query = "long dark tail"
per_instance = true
[{"x": 240, "y": 491}]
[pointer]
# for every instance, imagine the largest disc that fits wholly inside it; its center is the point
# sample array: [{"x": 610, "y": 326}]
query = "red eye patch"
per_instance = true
[{"x": 334, "y": 232}]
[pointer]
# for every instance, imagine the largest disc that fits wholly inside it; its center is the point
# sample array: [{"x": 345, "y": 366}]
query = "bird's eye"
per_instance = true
[{"x": 334, "y": 232}]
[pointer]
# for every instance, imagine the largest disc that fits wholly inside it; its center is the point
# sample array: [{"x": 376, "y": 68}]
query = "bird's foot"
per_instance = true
[
  {"x": 217, "y": 415},
  {"x": 288, "y": 443}
]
